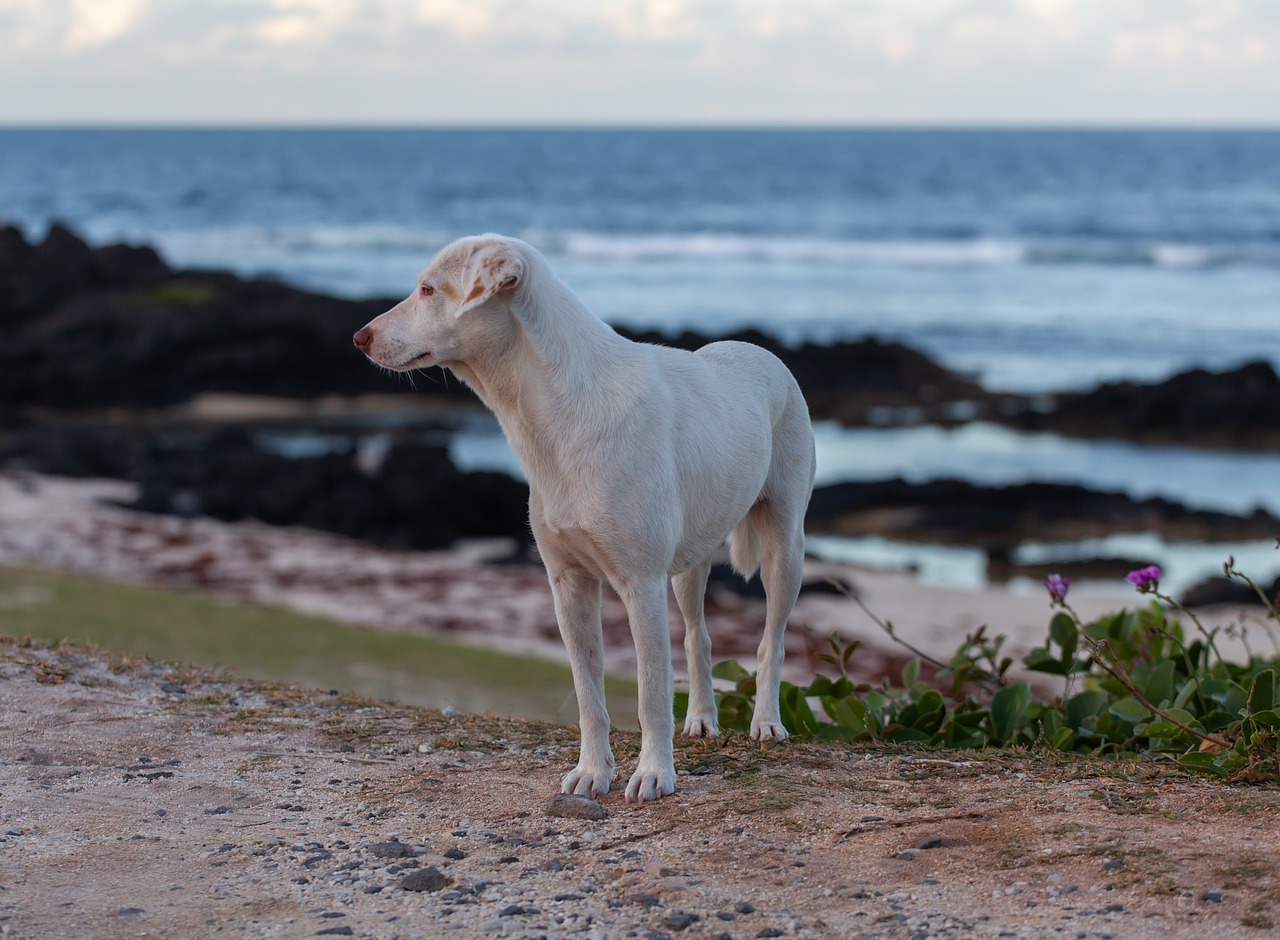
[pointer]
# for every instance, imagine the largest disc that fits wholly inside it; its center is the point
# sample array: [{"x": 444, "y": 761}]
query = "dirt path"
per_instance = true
[{"x": 144, "y": 800}]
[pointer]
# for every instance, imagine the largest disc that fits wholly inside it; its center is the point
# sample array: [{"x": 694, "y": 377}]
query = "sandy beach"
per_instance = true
[{"x": 464, "y": 595}]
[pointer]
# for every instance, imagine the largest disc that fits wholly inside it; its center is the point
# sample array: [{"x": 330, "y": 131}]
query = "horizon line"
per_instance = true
[{"x": 652, "y": 126}]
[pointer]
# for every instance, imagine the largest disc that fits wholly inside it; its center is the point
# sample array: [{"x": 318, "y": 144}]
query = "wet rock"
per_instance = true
[{"x": 959, "y": 512}]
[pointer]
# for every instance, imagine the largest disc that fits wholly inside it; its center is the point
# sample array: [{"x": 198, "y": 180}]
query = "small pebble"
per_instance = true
[
  {"x": 426, "y": 879},
  {"x": 392, "y": 849},
  {"x": 680, "y": 920},
  {"x": 572, "y": 806}
]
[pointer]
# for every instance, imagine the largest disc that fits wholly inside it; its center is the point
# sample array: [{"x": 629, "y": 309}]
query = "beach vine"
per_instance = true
[{"x": 1135, "y": 683}]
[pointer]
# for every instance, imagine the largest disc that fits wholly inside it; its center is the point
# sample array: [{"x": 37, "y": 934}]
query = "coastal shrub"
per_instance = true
[{"x": 1132, "y": 683}]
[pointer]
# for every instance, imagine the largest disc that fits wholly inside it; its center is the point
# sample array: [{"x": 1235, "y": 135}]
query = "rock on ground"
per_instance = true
[{"x": 142, "y": 799}]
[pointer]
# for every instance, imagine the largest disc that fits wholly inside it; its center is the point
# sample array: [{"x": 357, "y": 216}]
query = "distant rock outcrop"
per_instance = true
[{"x": 88, "y": 328}]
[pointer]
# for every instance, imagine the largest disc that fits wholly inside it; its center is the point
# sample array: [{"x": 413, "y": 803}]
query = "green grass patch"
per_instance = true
[
  {"x": 263, "y": 642},
  {"x": 183, "y": 293}
]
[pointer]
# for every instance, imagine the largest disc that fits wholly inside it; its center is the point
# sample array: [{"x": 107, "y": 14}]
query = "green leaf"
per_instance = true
[
  {"x": 1202, "y": 761},
  {"x": 1007, "y": 706},
  {"x": 1041, "y": 660},
  {"x": 1064, "y": 739},
  {"x": 1159, "y": 686},
  {"x": 931, "y": 710},
  {"x": 730, "y": 670},
  {"x": 1130, "y": 709},
  {"x": 797, "y": 716},
  {"x": 847, "y": 655},
  {"x": 681, "y": 705},
  {"x": 1063, "y": 631},
  {"x": 1083, "y": 705},
  {"x": 820, "y": 686},
  {"x": 1262, "y": 691},
  {"x": 849, "y": 714},
  {"x": 1268, "y": 719},
  {"x": 910, "y": 673}
]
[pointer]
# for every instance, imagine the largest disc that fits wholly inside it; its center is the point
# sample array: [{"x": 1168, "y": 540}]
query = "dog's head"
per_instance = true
[{"x": 459, "y": 307}]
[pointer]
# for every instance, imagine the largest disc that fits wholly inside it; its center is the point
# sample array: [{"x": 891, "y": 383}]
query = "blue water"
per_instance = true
[{"x": 1033, "y": 259}]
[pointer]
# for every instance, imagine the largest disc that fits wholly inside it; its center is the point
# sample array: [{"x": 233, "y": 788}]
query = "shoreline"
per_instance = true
[{"x": 462, "y": 595}]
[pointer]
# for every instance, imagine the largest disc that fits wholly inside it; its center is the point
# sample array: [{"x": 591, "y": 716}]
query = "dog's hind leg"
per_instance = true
[
  {"x": 577, "y": 601},
  {"x": 781, "y": 570},
  {"x": 646, "y": 602},
  {"x": 690, "y": 588}
]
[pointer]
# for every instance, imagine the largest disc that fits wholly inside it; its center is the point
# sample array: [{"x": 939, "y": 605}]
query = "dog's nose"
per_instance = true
[{"x": 362, "y": 339}]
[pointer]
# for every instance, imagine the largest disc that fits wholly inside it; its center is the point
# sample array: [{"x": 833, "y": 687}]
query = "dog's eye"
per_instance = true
[{"x": 426, "y": 290}]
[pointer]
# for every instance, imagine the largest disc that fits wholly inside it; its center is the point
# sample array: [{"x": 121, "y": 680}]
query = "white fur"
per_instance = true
[{"x": 641, "y": 461}]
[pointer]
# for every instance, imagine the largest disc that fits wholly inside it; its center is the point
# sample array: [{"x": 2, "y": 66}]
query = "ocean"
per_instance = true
[{"x": 1032, "y": 260}]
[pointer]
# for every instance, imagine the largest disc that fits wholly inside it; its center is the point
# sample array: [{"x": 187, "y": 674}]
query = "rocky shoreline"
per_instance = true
[{"x": 106, "y": 352}]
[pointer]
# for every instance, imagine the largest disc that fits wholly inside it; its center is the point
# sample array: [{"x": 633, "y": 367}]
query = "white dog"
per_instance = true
[{"x": 641, "y": 460}]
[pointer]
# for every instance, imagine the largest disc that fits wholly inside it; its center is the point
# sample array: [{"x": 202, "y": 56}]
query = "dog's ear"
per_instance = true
[{"x": 492, "y": 267}]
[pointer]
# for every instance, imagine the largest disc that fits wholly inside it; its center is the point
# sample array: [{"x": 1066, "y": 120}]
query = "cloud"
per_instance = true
[
  {"x": 94, "y": 23},
  {"x": 308, "y": 22},
  {"x": 460, "y": 18},
  {"x": 565, "y": 61}
]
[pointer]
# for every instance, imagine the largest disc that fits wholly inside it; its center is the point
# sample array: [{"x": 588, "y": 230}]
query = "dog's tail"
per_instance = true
[{"x": 744, "y": 548}]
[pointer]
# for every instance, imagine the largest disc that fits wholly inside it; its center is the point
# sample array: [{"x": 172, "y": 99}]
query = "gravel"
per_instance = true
[{"x": 342, "y": 827}]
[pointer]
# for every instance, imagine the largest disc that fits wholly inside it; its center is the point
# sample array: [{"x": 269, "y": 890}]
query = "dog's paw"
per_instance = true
[
  {"x": 767, "y": 730},
  {"x": 587, "y": 781},
  {"x": 647, "y": 785},
  {"x": 701, "y": 726}
]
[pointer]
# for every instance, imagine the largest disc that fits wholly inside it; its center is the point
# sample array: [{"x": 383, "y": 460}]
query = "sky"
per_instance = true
[{"x": 628, "y": 62}]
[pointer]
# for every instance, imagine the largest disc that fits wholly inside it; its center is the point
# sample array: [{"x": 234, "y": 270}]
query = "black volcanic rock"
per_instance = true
[
  {"x": 1236, "y": 408},
  {"x": 82, "y": 328},
  {"x": 843, "y": 381},
  {"x": 415, "y": 499},
  {"x": 958, "y": 512},
  {"x": 1221, "y": 590},
  {"x": 418, "y": 499}
]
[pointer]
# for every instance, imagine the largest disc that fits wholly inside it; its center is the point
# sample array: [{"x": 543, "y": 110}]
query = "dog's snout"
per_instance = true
[{"x": 363, "y": 339}]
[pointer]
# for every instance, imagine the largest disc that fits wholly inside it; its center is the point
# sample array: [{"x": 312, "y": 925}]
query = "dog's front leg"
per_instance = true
[
  {"x": 577, "y": 600},
  {"x": 646, "y": 603}
]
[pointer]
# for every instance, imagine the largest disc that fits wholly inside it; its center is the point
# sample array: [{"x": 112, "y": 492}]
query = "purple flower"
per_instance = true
[
  {"x": 1144, "y": 579},
  {"x": 1057, "y": 586}
]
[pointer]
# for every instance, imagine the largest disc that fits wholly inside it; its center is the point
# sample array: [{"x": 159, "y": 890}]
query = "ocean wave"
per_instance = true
[
  {"x": 299, "y": 240},
  {"x": 931, "y": 253},
  {"x": 279, "y": 244}
]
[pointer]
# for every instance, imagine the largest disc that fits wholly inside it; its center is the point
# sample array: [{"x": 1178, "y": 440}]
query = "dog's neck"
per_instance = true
[{"x": 551, "y": 363}]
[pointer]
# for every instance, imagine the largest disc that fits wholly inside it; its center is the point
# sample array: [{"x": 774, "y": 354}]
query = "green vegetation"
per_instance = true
[
  {"x": 271, "y": 643},
  {"x": 1133, "y": 684},
  {"x": 194, "y": 294}
]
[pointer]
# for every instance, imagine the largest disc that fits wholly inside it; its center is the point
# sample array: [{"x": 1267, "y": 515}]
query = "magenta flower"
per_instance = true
[
  {"x": 1144, "y": 579},
  {"x": 1057, "y": 586}
]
